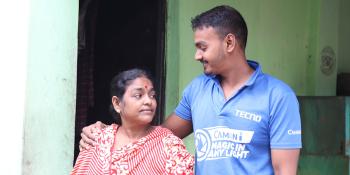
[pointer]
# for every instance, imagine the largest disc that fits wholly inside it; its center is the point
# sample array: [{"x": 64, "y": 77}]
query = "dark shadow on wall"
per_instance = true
[{"x": 115, "y": 36}]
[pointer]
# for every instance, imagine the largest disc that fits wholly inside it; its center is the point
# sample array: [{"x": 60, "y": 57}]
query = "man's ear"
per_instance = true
[
  {"x": 230, "y": 41},
  {"x": 116, "y": 104}
]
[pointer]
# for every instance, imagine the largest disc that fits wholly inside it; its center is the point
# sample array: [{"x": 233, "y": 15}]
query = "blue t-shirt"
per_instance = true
[{"x": 235, "y": 136}]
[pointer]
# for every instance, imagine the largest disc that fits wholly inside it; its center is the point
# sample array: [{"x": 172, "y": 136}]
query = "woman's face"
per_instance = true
[{"x": 138, "y": 105}]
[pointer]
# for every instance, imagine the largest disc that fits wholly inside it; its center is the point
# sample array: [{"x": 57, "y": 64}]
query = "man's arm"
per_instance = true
[
  {"x": 87, "y": 138},
  {"x": 285, "y": 161},
  {"x": 180, "y": 127}
]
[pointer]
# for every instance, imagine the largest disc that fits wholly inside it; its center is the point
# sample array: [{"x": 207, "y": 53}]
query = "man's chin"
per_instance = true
[{"x": 208, "y": 73}]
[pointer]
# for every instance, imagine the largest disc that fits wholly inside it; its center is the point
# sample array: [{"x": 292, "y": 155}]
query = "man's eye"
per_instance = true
[{"x": 203, "y": 49}]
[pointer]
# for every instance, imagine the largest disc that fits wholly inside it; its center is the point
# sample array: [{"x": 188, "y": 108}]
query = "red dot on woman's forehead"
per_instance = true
[{"x": 145, "y": 86}]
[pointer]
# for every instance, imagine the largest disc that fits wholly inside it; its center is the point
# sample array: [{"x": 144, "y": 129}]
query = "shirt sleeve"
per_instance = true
[
  {"x": 178, "y": 160},
  {"x": 285, "y": 124},
  {"x": 183, "y": 109}
]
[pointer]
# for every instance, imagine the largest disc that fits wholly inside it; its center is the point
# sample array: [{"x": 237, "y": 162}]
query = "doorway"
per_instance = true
[{"x": 115, "y": 36}]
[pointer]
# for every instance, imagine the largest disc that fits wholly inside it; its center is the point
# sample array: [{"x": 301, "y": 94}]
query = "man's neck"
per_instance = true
[{"x": 236, "y": 77}]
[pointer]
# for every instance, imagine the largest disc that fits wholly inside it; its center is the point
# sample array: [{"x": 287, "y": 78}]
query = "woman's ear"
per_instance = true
[
  {"x": 230, "y": 41},
  {"x": 116, "y": 104}
]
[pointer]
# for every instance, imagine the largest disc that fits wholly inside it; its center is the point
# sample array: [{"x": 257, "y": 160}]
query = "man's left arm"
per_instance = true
[
  {"x": 285, "y": 161},
  {"x": 285, "y": 134}
]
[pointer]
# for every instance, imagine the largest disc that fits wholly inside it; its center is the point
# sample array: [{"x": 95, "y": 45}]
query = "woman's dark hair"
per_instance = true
[
  {"x": 224, "y": 19},
  {"x": 121, "y": 81}
]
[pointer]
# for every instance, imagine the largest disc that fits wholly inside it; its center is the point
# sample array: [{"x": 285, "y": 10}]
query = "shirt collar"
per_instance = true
[{"x": 255, "y": 65}]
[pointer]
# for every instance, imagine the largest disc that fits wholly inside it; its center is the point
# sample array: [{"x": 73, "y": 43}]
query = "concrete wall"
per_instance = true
[
  {"x": 38, "y": 74},
  {"x": 51, "y": 87}
]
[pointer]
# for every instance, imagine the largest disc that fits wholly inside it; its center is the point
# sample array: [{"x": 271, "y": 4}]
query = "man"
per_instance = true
[{"x": 244, "y": 121}]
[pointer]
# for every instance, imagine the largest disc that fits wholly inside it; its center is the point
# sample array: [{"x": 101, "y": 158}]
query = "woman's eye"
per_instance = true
[{"x": 137, "y": 96}]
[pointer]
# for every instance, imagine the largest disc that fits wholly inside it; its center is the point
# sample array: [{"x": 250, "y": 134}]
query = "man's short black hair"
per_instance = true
[{"x": 224, "y": 19}]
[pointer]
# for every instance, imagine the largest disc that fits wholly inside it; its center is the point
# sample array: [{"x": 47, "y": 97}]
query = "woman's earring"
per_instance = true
[{"x": 118, "y": 110}]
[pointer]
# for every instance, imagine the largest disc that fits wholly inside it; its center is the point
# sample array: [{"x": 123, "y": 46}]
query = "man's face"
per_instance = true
[{"x": 209, "y": 49}]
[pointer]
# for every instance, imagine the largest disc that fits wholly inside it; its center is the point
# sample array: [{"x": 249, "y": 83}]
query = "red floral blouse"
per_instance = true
[{"x": 158, "y": 153}]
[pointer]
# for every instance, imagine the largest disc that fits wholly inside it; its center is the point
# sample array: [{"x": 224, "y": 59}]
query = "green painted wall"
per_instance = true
[
  {"x": 286, "y": 43},
  {"x": 286, "y": 37},
  {"x": 172, "y": 57},
  {"x": 325, "y": 123},
  {"x": 51, "y": 87},
  {"x": 344, "y": 39},
  {"x": 328, "y": 36}
]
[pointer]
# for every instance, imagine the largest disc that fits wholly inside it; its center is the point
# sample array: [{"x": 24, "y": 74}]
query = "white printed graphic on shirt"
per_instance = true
[
  {"x": 248, "y": 115},
  {"x": 221, "y": 142}
]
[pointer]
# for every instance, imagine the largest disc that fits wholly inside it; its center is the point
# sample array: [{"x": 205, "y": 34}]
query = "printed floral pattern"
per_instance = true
[{"x": 160, "y": 152}]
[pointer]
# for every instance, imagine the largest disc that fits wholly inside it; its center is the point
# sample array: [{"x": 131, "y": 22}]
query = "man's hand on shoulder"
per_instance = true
[{"x": 87, "y": 137}]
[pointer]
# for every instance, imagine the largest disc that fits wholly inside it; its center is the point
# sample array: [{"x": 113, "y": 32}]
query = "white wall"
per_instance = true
[
  {"x": 13, "y": 56},
  {"x": 38, "y": 57}
]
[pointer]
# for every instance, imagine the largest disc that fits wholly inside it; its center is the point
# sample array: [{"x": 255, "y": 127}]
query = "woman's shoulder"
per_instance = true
[
  {"x": 162, "y": 130},
  {"x": 178, "y": 159},
  {"x": 106, "y": 134},
  {"x": 169, "y": 138}
]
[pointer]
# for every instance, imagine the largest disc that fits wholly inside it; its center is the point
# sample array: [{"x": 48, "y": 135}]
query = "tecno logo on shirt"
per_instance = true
[{"x": 248, "y": 115}]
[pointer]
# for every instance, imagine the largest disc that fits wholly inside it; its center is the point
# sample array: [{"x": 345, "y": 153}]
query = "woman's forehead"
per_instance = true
[{"x": 141, "y": 82}]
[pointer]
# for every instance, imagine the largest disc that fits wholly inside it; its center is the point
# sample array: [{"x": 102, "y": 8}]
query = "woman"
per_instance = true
[{"x": 133, "y": 145}]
